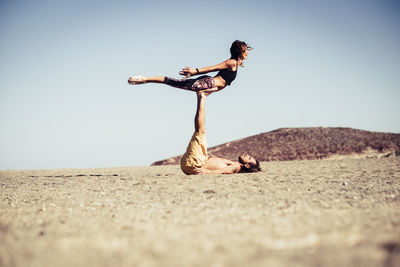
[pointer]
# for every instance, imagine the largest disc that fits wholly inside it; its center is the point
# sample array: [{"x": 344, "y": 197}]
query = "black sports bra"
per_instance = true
[{"x": 228, "y": 75}]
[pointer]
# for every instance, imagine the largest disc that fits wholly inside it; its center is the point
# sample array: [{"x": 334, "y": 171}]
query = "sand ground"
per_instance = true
[{"x": 343, "y": 212}]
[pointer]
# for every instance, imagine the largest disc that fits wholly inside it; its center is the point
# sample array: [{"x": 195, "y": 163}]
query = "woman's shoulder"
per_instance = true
[{"x": 231, "y": 63}]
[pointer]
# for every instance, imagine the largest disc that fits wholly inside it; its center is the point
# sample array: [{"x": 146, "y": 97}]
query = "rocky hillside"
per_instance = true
[{"x": 305, "y": 143}]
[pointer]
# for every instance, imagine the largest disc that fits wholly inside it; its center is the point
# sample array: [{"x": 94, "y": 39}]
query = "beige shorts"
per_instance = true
[{"x": 196, "y": 154}]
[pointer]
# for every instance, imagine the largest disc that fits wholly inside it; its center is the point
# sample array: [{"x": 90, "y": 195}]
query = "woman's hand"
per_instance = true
[{"x": 187, "y": 72}]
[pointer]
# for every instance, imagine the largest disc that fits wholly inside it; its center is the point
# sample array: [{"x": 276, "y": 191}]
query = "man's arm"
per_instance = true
[{"x": 234, "y": 168}]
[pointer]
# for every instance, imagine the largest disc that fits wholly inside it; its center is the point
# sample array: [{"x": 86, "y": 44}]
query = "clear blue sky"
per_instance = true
[{"x": 65, "y": 102}]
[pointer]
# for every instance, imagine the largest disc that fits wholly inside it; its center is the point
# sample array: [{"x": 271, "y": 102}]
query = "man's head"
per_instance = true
[
  {"x": 249, "y": 164},
  {"x": 239, "y": 50}
]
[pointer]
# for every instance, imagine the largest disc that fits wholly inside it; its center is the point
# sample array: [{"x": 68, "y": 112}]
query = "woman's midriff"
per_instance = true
[{"x": 219, "y": 82}]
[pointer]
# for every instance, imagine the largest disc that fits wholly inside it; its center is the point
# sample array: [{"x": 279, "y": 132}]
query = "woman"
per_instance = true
[{"x": 227, "y": 73}]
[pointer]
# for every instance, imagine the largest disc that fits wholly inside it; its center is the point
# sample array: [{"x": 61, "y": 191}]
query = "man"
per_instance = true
[{"x": 196, "y": 160}]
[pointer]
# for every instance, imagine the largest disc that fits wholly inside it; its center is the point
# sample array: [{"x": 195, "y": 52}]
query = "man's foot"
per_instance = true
[
  {"x": 207, "y": 92},
  {"x": 202, "y": 94},
  {"x": 136, "y": 80}
]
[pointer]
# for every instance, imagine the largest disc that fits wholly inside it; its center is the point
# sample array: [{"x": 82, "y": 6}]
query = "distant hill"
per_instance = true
[{"x": 305, "y": 143}]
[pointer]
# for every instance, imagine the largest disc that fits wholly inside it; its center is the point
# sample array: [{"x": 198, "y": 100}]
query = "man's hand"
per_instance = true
[{"x": 199, "y": 171}]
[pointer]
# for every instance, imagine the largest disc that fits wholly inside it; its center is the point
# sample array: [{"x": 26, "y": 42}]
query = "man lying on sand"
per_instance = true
[{"x": 196, "y": 160}]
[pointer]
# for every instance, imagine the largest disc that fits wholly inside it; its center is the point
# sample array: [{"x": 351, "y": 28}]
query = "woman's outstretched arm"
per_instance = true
[{"x": 227, "y": 64}]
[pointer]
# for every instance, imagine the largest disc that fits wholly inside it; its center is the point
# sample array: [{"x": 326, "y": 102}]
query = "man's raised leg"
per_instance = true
[{"x": 200, "y": 118}]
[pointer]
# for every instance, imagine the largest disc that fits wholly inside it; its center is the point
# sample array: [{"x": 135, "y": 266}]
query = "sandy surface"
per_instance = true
[{"x": 301, "y": 213}]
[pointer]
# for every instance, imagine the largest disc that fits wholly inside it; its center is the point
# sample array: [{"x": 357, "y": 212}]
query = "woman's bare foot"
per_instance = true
[{"x": 136, "y": 80}]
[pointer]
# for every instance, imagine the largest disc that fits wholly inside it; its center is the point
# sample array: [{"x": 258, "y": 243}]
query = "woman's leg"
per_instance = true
[
  {"x": 198, "y": 84},
  {"x": 154, "y": 79},
  {"x": 141, "y": 80},
  {"x": 201, "y": 83},
  {"x": 185, "y": 84},
  {"x": 177, "y": 83}
]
